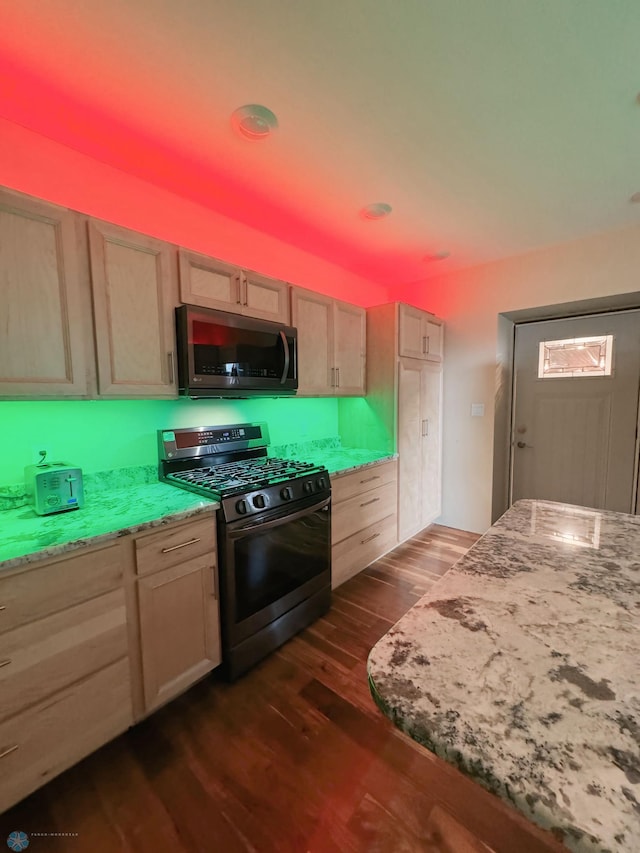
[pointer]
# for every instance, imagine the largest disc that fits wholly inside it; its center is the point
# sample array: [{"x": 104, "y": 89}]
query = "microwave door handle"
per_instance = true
[{"x": 285, "y": 371}]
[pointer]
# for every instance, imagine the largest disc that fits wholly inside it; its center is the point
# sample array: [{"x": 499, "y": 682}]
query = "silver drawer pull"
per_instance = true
[
  {"x": 369, "y": 538},
  {"x": 182, "y": 545},
  {"x": 9, "y": 751},
  {"x": 5, "y": 662},
  {"x": 369, "y": 479},
  {"x": 3, "y": 606},
  {"x": 372, "y": 501}
]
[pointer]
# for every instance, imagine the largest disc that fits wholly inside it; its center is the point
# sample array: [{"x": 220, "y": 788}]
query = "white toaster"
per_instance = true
[{"x": 54, "y": 488}]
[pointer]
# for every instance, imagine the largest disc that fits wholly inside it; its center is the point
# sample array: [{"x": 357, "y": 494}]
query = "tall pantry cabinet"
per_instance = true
[{"x": 404, "y": 398}]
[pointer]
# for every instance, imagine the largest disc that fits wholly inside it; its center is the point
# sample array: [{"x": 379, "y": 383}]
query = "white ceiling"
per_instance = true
[{"x": 492, "y": 127}]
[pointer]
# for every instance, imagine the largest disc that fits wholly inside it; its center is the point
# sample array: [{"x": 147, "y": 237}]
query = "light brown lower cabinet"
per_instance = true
[
  {"x": 95, "y": 640},
  {"x": 178, "y": 608},
  {"x": 47, "y": 738},
  {"x": 179, "y": 629},
  {"x": 65, "y": 677},
  {"x": 363, "y": 518}
]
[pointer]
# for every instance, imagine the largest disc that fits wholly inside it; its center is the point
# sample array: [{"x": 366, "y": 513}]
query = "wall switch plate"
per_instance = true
[{"x": 477, "y": 410}]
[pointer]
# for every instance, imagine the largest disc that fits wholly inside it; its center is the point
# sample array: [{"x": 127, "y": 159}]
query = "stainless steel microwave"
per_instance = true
[{"x": 229, "y": 355}]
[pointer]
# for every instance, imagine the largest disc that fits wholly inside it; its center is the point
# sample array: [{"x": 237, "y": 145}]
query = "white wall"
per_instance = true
[{"x": 470, "y": 301}]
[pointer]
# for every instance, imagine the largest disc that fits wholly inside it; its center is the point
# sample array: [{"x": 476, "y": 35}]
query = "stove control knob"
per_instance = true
[
  {"x": 308, "y": 487},
  {"x": 241, "y": 507},
  {"x": 258, "y": 501},
  {"x": 321, "y": 483},
  {"x": 286, "y": 494}
]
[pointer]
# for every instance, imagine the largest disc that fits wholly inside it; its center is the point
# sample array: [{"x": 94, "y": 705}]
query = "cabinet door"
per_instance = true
[
  {"x": 312, "y": 314},
  {"x": 434, "y": 341},
  {"x": 42, "y": 337},
  {"x": 134, "y": 294},
  {"x": 431, "y": 394},
  {"x": 410, "y": 441},
  {"x": 179, "y": 628},
  {"x": 412, "y": 332},
  {"x": 209, "y": 283},
  {"x": 350, "y": 330},
  {"x": 265, "y": 298}
]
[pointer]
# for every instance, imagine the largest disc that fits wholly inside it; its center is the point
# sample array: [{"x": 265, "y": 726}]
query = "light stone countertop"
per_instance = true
[
  {"x": 128, "y": 500},
  {"x": 329, "y": 452},
  {"x": 522, "y": 668},
  {"x": 109, "y": 511}
]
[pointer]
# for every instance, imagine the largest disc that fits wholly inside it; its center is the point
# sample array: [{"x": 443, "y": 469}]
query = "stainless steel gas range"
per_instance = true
[{"x": 274, "y": 533}]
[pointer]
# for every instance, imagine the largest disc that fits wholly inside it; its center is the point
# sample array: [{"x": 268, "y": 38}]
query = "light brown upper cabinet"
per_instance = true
[
  {"x": 210, "y": 283},
  {"x": 134, "y": 284},
  {"x": 420, "y": 334},
  {"x": 331, "y": 344},
  {"x": 41, "y": 330}
]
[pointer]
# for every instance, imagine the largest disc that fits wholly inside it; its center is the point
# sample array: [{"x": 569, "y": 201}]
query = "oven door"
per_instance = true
[{"x": 270, "y": 564}]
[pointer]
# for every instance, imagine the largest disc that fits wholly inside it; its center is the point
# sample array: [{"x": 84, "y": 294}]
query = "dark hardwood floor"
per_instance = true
[{"x": 294, "y": 757}]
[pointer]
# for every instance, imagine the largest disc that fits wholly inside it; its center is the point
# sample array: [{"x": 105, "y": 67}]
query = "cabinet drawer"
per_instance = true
[
  {"x": 360, "y": 481},
  {"x": 360, "y": 550},
  {"x": 361, "y": 511},
  {"x": 42, "y": 657},
  {"x": 51, "y": 736},
  {"x": 175, "y": 545},
  {"x": 37, "y": 592}
]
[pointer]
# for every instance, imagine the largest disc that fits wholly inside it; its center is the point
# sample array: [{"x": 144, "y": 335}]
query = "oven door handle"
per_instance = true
[
  {"x": 287, "y": 358},
  {"x": 277, "y": 522}
]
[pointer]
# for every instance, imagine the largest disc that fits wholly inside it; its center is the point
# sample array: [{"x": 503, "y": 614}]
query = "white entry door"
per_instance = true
[{"x": 576, "y": 410}]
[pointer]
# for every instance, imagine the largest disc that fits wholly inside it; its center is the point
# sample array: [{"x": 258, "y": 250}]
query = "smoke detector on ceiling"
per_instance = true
[
  {"x": 254, "y": 122},
  {"x": 377, "y": 210}
]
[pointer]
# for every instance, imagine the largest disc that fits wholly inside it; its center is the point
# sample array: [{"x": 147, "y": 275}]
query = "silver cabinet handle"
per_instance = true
[
  {"x": 428, "y": 350},
  {"x": 238, "y": 289},
  {"x": 424, "y": 345},
  {"x": 5, "y": 662},
  {"x": 369, "y": 479},
  {"x": 333, "y": 377},
  {"x": 372, "y": 501},
  {"x": 3, "y": 606},
  {"x": 170, "y": 364},
  {"x": 425, "y": 427},
  {"x": 182, "y": 545},
  {"x": 522, "y": 444},
  {"x": 8, "y": 751},
  {"x": 244, "y": 289},
  {"x": 337, "y": 377},
  {"x": 369, "y": 538}
]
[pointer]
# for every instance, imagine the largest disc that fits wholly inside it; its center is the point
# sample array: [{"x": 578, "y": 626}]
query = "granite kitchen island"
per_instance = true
[{"x": 522, "y": 668}]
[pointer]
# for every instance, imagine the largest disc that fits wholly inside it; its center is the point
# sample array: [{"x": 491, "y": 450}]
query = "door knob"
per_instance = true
[{"x": 522, "y": 444}]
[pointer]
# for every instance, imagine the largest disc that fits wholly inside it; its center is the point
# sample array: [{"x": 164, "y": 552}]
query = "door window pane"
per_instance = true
[{"x": 575, "y": 357}]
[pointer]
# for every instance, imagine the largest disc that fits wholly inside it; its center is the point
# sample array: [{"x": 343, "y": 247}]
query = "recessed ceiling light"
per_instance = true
[
  {"x": 437, "y": 256},
  {"x": 253, "y": 121},
  {"x": 378, "y": 210},
  {"x": 635, "y": 198}
]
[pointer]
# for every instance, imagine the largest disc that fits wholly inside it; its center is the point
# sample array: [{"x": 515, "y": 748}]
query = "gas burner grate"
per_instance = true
[{"x": 243, "y": 475}]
